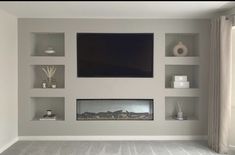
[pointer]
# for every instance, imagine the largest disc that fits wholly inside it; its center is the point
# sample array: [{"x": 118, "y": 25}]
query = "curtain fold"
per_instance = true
[{"x": 219, "y": 108}]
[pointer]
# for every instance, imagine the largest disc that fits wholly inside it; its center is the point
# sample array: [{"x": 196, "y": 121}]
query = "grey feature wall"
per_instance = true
[{"x": 71, "y": 87}]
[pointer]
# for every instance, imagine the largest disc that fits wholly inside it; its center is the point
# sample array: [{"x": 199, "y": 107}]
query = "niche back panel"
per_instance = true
[
  {"x": 38, "y": 75},
  {"x": 42, "y": 41}
]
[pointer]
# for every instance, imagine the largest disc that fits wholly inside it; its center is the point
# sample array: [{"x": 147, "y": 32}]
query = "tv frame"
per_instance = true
[{"x": 152, "y": 76}]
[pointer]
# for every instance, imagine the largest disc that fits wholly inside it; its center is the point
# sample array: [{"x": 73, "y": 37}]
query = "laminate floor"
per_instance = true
[{"x": 109, "y": 148}]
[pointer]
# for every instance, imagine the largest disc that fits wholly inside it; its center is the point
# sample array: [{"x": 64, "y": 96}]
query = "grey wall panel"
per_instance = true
[{"x": 111, "y": 87}]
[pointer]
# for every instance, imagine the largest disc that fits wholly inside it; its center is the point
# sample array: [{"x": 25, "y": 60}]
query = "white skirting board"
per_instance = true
[
  {"x": 9, "y": 144},
  {"x": 232, "y": 147},
  {"x": 110, "y": 138}
]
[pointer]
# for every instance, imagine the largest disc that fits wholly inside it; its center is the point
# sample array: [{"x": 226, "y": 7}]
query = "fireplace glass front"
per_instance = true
[{"x": 114, "y": 109}]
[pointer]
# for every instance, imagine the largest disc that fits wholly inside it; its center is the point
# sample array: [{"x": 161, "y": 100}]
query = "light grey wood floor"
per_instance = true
[{"x": 109, "y": 148}]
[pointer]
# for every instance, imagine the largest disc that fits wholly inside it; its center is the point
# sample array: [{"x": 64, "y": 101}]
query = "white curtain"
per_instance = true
[{"x": 219, "y": 108}]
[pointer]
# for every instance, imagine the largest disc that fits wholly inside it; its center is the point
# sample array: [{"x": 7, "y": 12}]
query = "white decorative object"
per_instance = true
[
  {"x": 53, "y": 85},
  {"x": 44, "y": 85},
  {"x": 49, "y": 112},
  {"x": 178, "y": 84},
  {"x": 48, "y": 116},
  {"x": 48, "y": 119},
  {"x": 180, "y": 81},
  {"x": 180, "y": 50},
  {"x": 49, "y": 50},
  {"x": 179, "y": 113},
  {"x": 181, "y": 78}
]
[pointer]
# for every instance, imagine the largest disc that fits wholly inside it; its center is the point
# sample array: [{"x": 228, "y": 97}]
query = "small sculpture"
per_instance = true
[
  {"x": 49, "y": 112},
  {"x": 180, "y": 50},
  {"x": 48, "y": 116},
  {"x": 49, "y": 50},
  {"x": 44, "y": 84}
]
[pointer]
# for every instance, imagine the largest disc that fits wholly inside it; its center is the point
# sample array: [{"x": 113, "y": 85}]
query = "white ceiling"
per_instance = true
[{"x": 82, "y": 9}]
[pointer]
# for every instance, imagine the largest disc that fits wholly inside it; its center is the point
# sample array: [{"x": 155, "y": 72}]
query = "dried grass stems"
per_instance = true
[{"x": 49, "y": 71}]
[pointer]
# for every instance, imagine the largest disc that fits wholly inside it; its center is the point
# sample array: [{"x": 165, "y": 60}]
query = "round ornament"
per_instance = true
[{"x": 180, "y": 50}]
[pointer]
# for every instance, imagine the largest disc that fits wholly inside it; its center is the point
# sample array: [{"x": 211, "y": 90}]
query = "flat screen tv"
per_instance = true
[{"x": 115, "y": 55}]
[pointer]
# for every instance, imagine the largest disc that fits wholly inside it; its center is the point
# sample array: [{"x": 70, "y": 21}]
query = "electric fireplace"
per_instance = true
[{"x": 114, "y": 109}]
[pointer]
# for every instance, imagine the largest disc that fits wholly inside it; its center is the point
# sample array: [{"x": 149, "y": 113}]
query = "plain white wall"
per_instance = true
[
  {"x": 8, "y": 80},
  {"x": 232, "y": 133}
]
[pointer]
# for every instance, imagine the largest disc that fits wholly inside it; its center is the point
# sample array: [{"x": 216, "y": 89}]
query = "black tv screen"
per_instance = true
[{"x": 115, "y": 54}]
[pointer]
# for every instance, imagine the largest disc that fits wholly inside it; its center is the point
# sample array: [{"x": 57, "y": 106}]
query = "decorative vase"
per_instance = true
[
  {"x": 50, "y": 72},
  {"x": 49, "y": 82},
  {"x": 180, "y": 115},
  {"x": 53, "y": 83},
  {"x": 180, "y": 50}
]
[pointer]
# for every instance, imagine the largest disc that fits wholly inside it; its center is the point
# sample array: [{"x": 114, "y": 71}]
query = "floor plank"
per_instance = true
[{"x": 109, "y": 148}]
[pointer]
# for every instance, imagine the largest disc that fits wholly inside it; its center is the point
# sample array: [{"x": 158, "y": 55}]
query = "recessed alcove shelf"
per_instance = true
[
  {"x": 42, "y": 41},
  {"x": 192, "y": 72},
  {"x": 190, "y": 40},
  {"x": 38, "y": 76},
  {"x": 39, "y": 106},
  {"x": 189, "y": 107}
]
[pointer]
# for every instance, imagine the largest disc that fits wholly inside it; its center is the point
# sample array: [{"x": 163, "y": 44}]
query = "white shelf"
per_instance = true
[
  {"x": 188, "y": 65},
  {"x": 182, "y": 92},
  {"x": 182, "y": 60},
  {"x": 42, "y": 99},
  {"x": 189, "y": 118},
  {"x": 37, "y": 119},
  {"x": 39, "y": 60},
  {"x": 47, "y": 92}
]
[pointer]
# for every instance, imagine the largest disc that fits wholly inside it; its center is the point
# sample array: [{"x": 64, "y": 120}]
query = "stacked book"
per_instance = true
[
  {"x": 48, "y": 117},
  {"x": 180, "y": 81}
]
